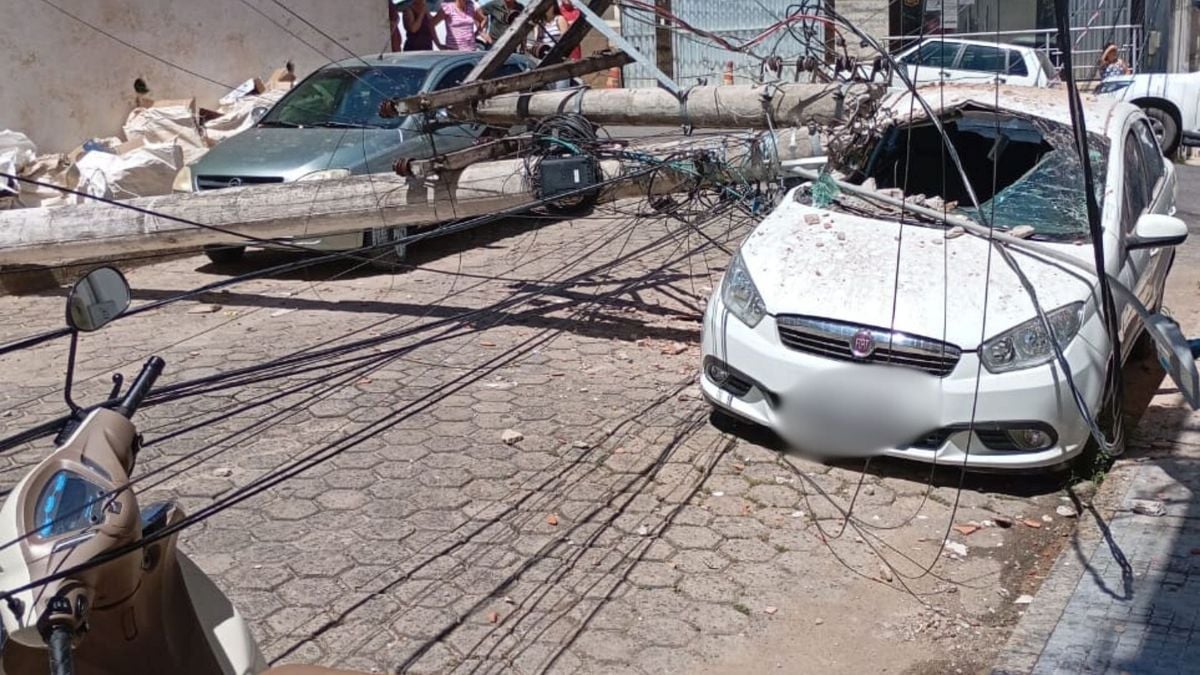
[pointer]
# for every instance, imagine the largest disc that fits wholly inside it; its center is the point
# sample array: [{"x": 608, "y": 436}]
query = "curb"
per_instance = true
[{"x": 1024, "y": 647}]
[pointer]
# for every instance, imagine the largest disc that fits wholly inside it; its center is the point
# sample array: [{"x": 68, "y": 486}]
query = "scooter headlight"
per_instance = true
[
  {"x": 740, "y": 295},
  {"x": 1028, "y": 345}
]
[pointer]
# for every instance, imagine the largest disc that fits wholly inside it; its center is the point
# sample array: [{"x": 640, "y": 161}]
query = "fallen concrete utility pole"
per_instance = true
[
  {"x": 474, "y": 91},
  {"x": 63, "y": 233},
  {"x": 721, "y": 107}
]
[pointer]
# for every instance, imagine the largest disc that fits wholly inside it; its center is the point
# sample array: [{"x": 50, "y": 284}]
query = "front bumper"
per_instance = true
[{"x": 1035, "y": 396}]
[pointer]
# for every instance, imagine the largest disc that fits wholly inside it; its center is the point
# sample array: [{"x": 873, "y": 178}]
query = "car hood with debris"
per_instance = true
[{"x": 820, "y": 263}]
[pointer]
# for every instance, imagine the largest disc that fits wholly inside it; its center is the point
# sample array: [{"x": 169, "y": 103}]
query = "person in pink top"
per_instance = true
[{"x": 463, "y": 21}]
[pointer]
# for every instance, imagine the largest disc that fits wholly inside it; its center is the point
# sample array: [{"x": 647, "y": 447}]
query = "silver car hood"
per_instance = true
[
  {"x": 293, "y": 153},
  {"x": 813, "y": 262}
]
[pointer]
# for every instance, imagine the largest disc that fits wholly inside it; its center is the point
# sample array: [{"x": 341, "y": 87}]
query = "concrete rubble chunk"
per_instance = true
[
  {"x": 953, "y": 549},
  {"x": 511, "y": 437},
  {"x": 1066, "y": 511},
  {"x": 1148, "y": 507}
]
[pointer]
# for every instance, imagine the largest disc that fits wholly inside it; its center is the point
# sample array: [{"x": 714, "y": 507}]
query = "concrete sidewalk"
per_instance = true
[{"x": 1124, "y": 597}]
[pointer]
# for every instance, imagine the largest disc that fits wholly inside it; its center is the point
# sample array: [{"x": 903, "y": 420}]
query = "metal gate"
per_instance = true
[{"x": 695, "y": 58}]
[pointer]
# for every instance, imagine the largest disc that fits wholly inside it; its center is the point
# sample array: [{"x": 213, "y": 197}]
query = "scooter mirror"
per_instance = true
[{"x": 99, "y": 297}]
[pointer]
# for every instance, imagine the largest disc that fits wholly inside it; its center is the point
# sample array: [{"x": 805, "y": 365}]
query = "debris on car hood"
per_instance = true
[{"x": 801, "y": 267}]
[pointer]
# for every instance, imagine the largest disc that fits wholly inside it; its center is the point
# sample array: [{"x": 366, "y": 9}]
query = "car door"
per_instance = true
[
  {"x": 1159, "y": 177},
  {"x": 986, "y": 63},
  {"x": 1137, "y": 266},
  {"x": 929, "y": 61},
  {"x": 448, "y": 137},
  {"x": 1023, "y": 68}
]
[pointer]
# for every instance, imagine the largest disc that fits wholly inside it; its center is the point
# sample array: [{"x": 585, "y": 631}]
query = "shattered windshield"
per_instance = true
[
  {"x": 1049, "y": 198},
  {"x": 1023, "y": 169}
]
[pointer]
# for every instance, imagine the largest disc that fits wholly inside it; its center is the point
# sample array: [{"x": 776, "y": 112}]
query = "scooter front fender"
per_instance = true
[{"x": 225, "y": 629}]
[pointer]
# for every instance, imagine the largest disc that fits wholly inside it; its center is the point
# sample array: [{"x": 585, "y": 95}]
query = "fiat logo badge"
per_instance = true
[{"x": 862, "y": 345}]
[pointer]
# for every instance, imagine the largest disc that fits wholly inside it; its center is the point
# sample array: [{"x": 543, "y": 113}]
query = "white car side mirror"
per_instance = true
[{"x": 1155, "y": 230}]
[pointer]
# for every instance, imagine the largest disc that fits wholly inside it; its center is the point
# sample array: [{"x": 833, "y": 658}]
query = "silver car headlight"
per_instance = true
[
  {"x": 1028, "y": 345},
  {"x": 740, "y": 295}
]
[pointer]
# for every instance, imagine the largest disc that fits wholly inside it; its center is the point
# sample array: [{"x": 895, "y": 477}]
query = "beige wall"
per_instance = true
[
  {"x": 869, "y": 16},
  {"x": 63, "y": 82}
]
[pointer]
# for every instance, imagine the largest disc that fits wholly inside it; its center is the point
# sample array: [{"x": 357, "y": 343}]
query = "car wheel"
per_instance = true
[
  {"x": 224, "y": 255},
  {"x": 1166, "y": 129},
  {"x": 1092, "y": 462}
]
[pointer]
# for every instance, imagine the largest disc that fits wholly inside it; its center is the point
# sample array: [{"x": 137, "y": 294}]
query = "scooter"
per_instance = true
[{"x": 90, "y": 582}]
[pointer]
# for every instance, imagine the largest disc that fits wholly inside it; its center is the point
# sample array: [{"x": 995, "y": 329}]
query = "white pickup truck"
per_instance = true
[
  {"x": 1171, "y": 101},
  {"x": 943, "y": 59}
]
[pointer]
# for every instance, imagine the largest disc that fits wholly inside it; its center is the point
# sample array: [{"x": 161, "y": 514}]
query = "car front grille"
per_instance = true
[
  {"x": 219, "y": 182},
  {"x": 834, "y": 339}
]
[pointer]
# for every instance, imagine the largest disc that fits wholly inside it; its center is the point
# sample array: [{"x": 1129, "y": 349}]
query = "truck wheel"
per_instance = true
[
  {"x": 1165, "y": 128},
  {"x": 224, "y": 255}
]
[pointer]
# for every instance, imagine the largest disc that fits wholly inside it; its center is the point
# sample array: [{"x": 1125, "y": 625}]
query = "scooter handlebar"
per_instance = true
[{"x": 141, "y": 386}]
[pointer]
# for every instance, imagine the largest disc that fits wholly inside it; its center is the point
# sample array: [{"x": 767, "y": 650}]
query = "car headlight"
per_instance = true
[
  {"x": 1028, "y": 345},
  {"x": 739, "y": 294},
  {"x": 327, "y": 174},
  {"x": 183, "y": 181}
]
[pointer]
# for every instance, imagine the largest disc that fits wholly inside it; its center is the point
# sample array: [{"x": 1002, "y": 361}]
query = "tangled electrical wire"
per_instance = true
[{"x": 706, "y": 184}]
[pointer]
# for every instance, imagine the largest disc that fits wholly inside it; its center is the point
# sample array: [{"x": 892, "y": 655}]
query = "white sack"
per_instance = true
[
  {"x": 16, "y": 151},
  {"x": 49, "y": 169},
  {"x": 167, "y": 124},
  {"x": 238, "y": 116},
  {"x": 142, "y": 172}
]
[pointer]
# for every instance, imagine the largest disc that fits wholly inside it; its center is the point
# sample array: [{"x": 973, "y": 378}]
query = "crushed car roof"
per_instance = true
[{"x": 1049, "y": 104}]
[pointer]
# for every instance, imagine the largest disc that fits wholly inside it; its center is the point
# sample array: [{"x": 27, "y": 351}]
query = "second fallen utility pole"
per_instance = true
[
  {"x": 54, "y": 234},
  {"x": 720, "y": 107}
]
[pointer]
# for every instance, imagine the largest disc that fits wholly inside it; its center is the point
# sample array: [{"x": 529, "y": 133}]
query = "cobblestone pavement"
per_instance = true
[{"x": 622, "y": 532}]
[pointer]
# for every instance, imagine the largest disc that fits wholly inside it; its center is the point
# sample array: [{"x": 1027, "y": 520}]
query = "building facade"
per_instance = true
[{"x": 69, "y": 77}]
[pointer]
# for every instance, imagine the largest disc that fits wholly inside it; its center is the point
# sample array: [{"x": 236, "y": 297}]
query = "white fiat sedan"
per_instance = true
[{"x": 850, "y": 327}]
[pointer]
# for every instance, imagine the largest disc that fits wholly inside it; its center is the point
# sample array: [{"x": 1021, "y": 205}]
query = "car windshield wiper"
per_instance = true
[
  {"x": 277, "y": 123},
  {"x": 343, "y": 125}
]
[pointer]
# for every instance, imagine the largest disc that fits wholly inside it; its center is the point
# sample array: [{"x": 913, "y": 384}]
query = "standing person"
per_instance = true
[
  {"x": 550, "y": 31},
  {"x": 418, "y": 27},
  {"x": 551, "y": 28},
  {"x": 463, "y": 21},
  {"x": 500, "y": 14},
  {"x": 571, "y": 14},
  {"x": 1110, "y": 64}
]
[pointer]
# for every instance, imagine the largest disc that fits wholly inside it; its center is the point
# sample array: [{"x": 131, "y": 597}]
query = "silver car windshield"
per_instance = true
[{"x": 346, "y": 97}]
